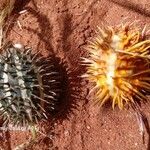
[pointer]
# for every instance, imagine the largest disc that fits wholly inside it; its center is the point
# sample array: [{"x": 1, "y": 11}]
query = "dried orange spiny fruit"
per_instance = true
[{"x": 118, "y": 65}]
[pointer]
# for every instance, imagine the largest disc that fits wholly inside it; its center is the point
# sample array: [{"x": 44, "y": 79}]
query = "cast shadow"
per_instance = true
[
  {"x": 45, "y": 35},
  {"x": 71, "y": 89},
  {"x": 70, "y": 84},
  {"x": 133, "y": 7},
  {"x": 147, "y": 127}
]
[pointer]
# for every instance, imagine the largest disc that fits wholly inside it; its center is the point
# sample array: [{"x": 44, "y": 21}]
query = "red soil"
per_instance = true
[{"x": 62, "y": 27}]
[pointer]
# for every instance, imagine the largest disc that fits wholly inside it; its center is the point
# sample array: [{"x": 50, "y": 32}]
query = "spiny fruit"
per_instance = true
[
  {"x": 29, "y": 86},
  {"x": 119, "y": 65}
]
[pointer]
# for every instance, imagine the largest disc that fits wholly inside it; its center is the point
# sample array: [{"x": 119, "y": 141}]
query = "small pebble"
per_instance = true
[
  {"x": 66, "y": 133},
  {"x": 88, "y": 127},
  {"x": 136, "y": 144}
]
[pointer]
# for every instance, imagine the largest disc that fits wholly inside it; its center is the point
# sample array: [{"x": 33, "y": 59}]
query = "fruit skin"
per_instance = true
[
  {"x": 118, "y": 65},
  {"x": 29, "y": 86}
]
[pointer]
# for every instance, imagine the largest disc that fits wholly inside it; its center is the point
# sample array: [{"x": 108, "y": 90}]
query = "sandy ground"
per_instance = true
[{"x": 62, "y": 27}]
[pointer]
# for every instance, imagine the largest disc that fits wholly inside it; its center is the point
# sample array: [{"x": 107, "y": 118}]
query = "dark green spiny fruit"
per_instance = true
[{"x": 29, "y": 86}]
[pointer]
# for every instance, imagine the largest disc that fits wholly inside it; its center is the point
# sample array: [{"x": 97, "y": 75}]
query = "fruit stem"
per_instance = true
[{"x": 33, "y": 131}]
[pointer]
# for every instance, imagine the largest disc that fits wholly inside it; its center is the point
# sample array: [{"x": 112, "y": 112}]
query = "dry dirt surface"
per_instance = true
[{"x": 62, "y": 27}]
